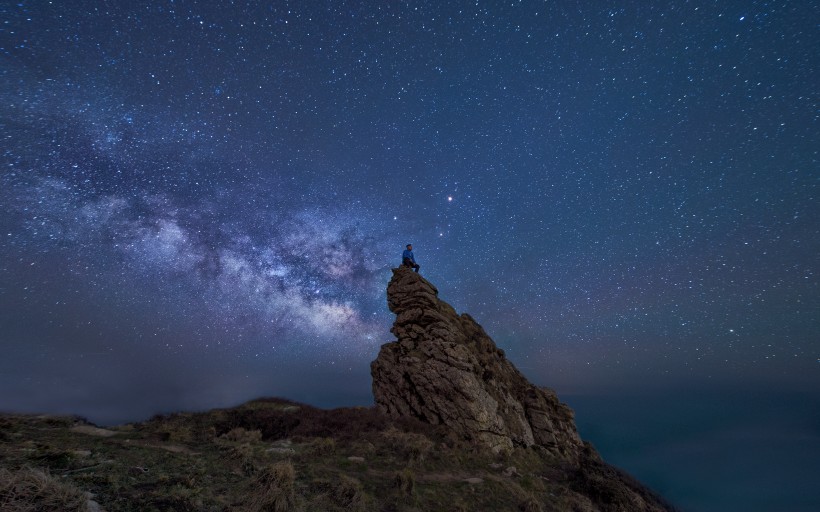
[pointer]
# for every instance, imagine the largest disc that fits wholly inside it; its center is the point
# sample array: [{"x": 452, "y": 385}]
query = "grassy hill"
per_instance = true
[{"x": 277, "y": 455}]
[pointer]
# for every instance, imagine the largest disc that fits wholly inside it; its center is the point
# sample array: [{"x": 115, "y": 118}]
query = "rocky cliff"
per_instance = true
[{"x": 444, "y": 369}]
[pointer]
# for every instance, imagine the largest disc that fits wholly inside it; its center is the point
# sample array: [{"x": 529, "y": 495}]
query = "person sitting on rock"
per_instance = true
[{"x": 407, "y": 258}]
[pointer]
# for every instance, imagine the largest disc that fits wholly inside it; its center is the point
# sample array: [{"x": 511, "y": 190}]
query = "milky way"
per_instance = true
[{"x": 203, "y": 200}]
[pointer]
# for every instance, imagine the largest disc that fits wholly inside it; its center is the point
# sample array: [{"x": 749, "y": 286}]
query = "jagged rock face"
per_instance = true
[{"x": 444, "y": 369}]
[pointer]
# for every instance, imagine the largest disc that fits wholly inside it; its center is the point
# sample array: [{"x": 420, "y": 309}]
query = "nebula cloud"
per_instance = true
[{"x": 308, "y": 273}]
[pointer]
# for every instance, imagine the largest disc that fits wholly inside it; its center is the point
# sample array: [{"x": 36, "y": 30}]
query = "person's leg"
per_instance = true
[
  {"x": 416, "y": 266},
  {"x": 407, "y": 262}
]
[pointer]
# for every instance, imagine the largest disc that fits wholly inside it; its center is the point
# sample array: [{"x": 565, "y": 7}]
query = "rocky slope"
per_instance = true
[{"x": 445, "y": 370}]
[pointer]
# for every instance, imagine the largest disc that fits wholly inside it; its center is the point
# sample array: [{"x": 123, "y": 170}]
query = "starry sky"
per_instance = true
[{"x": 202, "y": 200}]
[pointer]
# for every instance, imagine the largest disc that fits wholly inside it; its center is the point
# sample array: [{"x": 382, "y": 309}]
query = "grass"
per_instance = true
[
  {"x": 276, "y": 455},
  {"x": 28, "y": 489}
]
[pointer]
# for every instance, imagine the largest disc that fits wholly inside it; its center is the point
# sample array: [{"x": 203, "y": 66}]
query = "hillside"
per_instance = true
[
  {"x": 274, "y": 454},
  {"x": 456, "y": 427}
]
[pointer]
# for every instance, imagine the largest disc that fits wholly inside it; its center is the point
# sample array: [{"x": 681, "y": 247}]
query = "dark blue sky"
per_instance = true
[{"x": 202, "y": 200}]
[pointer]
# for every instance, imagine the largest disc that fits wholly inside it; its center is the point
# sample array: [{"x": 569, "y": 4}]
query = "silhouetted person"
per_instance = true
[{"x": 407, "y": 258}]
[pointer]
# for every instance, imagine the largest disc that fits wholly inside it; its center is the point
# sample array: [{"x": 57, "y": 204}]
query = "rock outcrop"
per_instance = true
[{"x": 444, "y": 369}]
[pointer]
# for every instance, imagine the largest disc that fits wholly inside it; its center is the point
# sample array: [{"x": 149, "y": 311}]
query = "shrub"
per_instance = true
[
  {"x": 240, "y": 452},
  {"x": 349, "y": 494},
  {"x": 323, "y": 446},
  {"x": 52, "y": 457},
  {"x": 272, "y": 423},
  {"x": 35, "y": 490},
  {"x": 530, "y": 504},
  {"x": 239, "y": 434},
  {"x": 405, "y": 481},
  {"x": 413, "y": 446},
  {"x": 6, "y": 428},
  {"x": 174, "y": 432},
  {"x": 274, "y": 489}
]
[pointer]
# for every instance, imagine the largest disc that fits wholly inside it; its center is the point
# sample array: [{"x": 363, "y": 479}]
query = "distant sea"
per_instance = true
[{"x": 712, "y": 451}]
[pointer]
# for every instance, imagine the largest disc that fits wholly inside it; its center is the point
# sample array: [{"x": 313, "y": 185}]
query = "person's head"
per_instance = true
[{"x": 409, "y": 247}]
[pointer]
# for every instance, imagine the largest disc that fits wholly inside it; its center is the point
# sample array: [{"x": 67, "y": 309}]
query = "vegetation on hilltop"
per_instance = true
[{"x": 278, "y": 455}]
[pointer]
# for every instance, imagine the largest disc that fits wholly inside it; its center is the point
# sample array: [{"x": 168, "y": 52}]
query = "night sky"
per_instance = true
[{"x": 202, "y": 202}]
